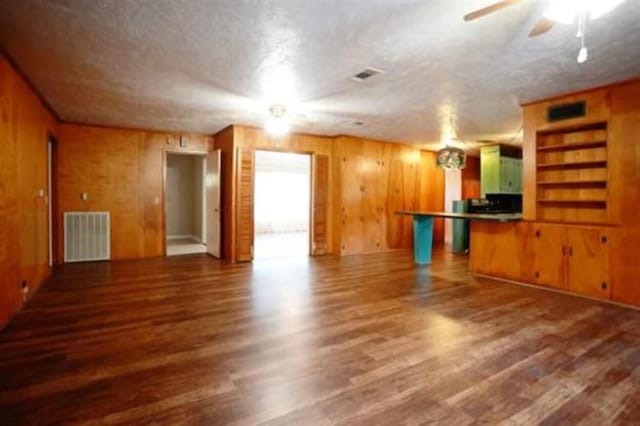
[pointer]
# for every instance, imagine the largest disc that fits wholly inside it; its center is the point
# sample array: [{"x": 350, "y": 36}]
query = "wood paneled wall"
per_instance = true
[
  {"x": 431, "y": 191},
  {"x": 471, "y": 178},
  {"x": 234, "y": 138},
  {"x": 624, "y": 191},
  {"x": 367, "y": 182},
  {"x": 375, "y": 179},
  {"x": 225, "y": 143},
  {"x": 123, "y": 172},
  {"x": 25, "y": 125}
]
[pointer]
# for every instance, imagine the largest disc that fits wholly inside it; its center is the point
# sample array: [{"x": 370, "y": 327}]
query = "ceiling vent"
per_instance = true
[{"x": 365, "y": 74}]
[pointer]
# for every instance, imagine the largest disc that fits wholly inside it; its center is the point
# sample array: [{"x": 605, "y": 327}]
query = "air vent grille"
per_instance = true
[
  {"x": 365, "y": 74},
  {"x": 86, "y": 236},
  {"x": 566, "y": 111}
]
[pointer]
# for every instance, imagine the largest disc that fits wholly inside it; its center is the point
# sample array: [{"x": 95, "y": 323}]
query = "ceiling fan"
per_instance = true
[
  {"x": 562, "y": 11},
  {"x": 541, "y": 27}
]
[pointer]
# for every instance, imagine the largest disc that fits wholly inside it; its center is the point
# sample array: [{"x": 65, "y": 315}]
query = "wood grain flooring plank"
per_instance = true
[{"x": 367, "y": 339}]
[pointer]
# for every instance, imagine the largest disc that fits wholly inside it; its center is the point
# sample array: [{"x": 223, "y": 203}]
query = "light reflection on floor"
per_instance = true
[{"x": 280, "y": 245}]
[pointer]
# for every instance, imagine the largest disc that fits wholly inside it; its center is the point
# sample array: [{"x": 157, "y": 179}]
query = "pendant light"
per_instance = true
[{"x": 451, "y": 158}]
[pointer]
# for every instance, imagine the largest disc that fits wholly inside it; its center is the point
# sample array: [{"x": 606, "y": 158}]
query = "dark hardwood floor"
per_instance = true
[{"x": 369, "y": 340}]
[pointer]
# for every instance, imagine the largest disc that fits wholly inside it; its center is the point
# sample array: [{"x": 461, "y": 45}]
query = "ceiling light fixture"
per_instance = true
[
  {"x": 277, "y": 123},
  {"x": 449, "y": 157},
  {"x": 567, "y": 11}
]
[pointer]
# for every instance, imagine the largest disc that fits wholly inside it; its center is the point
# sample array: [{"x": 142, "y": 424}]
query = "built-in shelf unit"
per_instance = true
[{"x": 571, "y": 174}]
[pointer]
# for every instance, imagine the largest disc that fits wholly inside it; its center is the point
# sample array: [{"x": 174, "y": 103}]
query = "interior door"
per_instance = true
[{"x": 213, "y": 203}]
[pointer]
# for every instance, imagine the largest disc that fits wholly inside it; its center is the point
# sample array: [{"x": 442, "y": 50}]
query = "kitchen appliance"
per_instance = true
[{"x": 496, "y": 203}]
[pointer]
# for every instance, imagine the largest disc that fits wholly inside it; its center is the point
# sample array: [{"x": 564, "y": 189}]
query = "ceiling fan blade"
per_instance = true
[
  {"x": 541, "y": 27},
  {"x": 489, "y": 9}
]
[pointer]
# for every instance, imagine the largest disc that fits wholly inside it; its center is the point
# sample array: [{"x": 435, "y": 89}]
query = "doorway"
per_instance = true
[
  {"x": 186, "y": 204},
  {"x": 282, "y": 209}
]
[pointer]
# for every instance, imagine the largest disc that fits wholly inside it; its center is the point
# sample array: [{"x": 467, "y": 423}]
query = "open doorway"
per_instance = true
[
  {"x": 186, "y": 204},
  {"x": 282, "y": 204}
]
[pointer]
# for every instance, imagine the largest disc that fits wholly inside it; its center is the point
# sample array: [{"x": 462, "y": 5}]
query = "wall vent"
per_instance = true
[
  {"x": 566, "y": 111},
  {"x": 365, "y": 74},
  {"x": 86, "y": 236}
]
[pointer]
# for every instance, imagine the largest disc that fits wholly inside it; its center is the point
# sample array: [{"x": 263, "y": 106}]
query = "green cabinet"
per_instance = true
[{"x": 500, "y": 170}]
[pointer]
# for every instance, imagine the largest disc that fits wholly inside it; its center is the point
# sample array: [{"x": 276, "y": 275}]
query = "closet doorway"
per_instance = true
[
  {"x": 282, "y": 208},
  {"x": 186, "y": 203}
]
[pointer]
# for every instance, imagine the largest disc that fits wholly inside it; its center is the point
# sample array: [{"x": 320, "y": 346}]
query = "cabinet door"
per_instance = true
[
  {"x": 588, "y": 266},
  {"x": 550, "y": 246},
  {"x": 517, "y": 175},
  {"x": 506, "y": 185},
  {"x": 502, "y": 250},
  {"x": 489, "y": 170}
]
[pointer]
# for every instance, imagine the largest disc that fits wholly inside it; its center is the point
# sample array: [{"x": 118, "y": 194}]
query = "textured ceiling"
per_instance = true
[{"x": 199, "y": 65}]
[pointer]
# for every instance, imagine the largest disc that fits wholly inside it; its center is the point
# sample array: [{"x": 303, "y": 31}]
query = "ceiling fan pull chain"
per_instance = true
[{"x": 583, "y": 54}]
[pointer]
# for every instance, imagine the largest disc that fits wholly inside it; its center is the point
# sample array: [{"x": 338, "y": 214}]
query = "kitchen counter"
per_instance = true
[
  {"x": 423, "y": 228},
  {"x": 499, "y": 217}
]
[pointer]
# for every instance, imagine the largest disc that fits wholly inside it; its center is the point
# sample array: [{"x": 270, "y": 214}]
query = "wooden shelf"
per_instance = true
[
  {"x": 595, "y": 182},
  {"x": 575, "y": 164},
  {"x": 571, "y": 201},
  {"x": 573, "y": 146}
]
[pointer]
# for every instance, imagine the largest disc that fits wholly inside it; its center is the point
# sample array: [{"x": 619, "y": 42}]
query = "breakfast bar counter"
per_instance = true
[{"x": 423, "y": 228}]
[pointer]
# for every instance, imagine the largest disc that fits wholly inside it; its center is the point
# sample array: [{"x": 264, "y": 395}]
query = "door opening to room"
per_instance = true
[
  {"x": 186, "y": 204},
  {"x": 282, "y": 207}
]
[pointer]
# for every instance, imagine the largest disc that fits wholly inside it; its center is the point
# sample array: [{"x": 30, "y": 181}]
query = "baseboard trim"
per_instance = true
[
  {"x": 560, "y": 291},
  {"x": 185, "y": 237}
]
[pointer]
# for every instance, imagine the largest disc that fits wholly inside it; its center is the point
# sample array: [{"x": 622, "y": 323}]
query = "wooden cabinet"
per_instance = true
[
  {"x": 588, "y": 262},
  {"x": 566, "y": 257},
  {"x": 500, "y": 169},
  {"x": 501, "y": 250},
  {"x": 572, "y": 258},
  {"x": 549, "y": 243}
]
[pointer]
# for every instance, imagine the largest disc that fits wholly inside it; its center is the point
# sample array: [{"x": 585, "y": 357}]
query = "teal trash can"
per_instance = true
[{"x": 460, "y": 228}]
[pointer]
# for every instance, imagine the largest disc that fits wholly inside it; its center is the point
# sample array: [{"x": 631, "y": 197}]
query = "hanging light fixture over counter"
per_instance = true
[{"x": 451, "y": 158}]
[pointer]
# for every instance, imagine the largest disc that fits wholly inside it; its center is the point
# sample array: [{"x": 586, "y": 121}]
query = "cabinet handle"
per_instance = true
[
  {"x": 603, "y": 286},
  {"x": 537, "y": 274},
  {"x": 538, "y": 233},
  {"x": 603, "y": 239},
  {"x": 564, "y": 250},
  {"x": 570, "y": 251}
]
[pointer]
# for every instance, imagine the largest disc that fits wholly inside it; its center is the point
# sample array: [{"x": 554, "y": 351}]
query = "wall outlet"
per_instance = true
[{"x": 84, "y": 196}]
